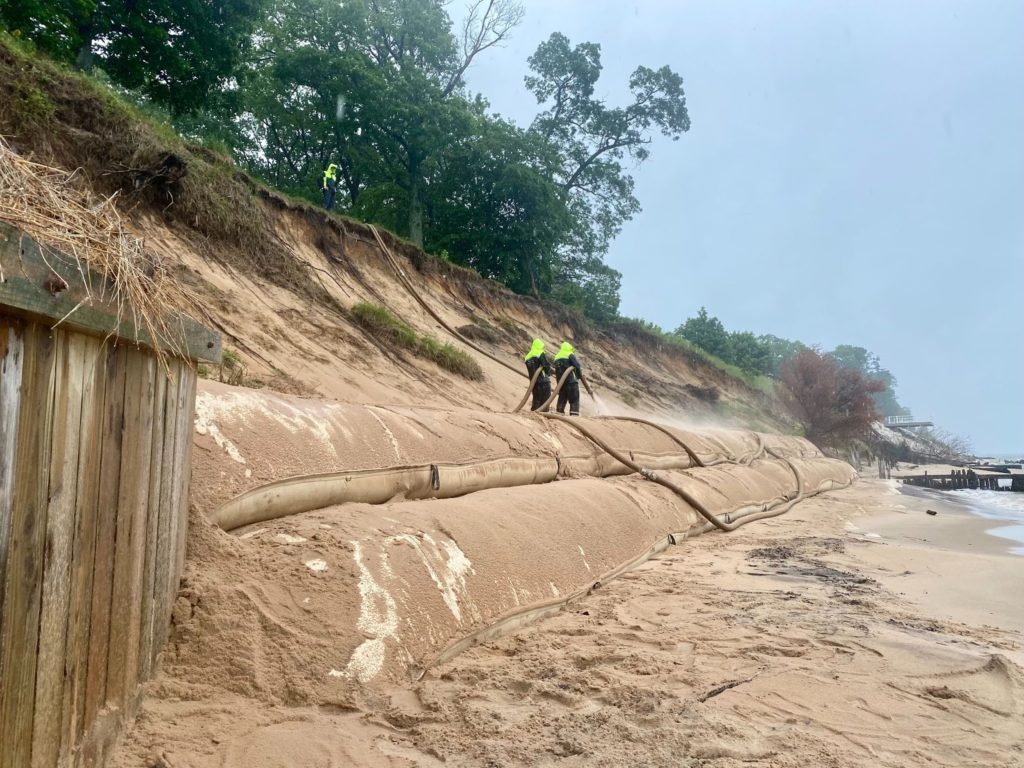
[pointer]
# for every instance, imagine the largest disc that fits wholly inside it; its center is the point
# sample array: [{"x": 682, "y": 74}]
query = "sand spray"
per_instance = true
[{"x": 600, "y": 408}]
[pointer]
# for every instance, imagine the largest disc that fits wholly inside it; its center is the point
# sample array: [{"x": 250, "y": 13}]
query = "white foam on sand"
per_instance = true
[
  {"x": 208, "y": 408},
  {"x": 446, "y": 564},
  {"x": 212, "y": 408},
  {"x": 378, "y": 620}
]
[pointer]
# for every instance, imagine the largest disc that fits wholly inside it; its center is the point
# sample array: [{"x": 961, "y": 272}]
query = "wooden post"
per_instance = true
[
  {"x": 64, "y": 460},
  {"x": 82, "y": 563},
  {"x": 23, "y": 579}
]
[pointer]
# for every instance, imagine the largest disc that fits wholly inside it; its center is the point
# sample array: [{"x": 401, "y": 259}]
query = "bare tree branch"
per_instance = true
[{"x": 487, "y": 24}]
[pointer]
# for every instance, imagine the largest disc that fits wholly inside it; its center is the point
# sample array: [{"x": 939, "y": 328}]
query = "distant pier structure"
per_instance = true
[{"x": 904, "y": 422}]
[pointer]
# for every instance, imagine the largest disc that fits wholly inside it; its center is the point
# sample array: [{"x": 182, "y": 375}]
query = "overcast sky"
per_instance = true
[{"x": 854, "y": 174}]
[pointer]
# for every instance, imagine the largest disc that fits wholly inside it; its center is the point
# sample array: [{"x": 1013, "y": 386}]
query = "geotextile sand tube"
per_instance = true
[
  {"x": 282, "y": 428},
  {"x": 377, "y": 486},
  {"x": 295, "y": 495},
  {"x": 424, "y": 531},
  {"x": 649, "y": 475},
  {"x": 513, "y": 620},
  {"x": 697, "y": 461},
  {"x": 395, "y": 589}
]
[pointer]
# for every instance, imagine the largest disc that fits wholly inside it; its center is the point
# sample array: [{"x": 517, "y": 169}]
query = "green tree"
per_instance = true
[
  {"x": 593, "y": 289},
  {"x": 868, "y": 363},
  {"x": 593, "y": 142},
  {"x": 375, "y": 87},
  {"x": 50, "y": 24},
  {"x": 491, "y": 210},
  {"x": 750, "y": 353},
  {"x": 708, "y": 333},
  {"x": 175, "y": 51},
  {"x": 779, "y": 351}
]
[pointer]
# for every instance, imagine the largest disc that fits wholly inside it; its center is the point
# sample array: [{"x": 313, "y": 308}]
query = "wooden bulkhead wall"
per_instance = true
[{"x": 95, "y": 448}]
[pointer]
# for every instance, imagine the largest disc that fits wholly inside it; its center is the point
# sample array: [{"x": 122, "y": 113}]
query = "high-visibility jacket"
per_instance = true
[
  {"x": 536, "y": 350},
  {"x": 331, "y": 174},
  {"x": 536, "y": 358},
  {"x": 567, "y": 359}
]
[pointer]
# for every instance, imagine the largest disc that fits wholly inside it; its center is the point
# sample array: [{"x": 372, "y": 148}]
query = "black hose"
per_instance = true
[
  {"x": 682, "y": 493},
  {"x": 557, "y": 389},
  {"x": 430, "y": 310},
  {"x": 694, "y": 458},
  {"x": 529, "y": 390}
]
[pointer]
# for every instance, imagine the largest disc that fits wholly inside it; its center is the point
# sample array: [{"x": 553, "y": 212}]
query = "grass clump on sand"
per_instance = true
[{"x": 384, "y": 325}]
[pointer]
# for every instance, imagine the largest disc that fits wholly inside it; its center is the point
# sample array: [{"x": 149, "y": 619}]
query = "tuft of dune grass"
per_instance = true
[{"x": 385, "y": 326}]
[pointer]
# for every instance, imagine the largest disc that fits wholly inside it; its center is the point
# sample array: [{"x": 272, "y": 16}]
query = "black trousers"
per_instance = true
[
  {"x": 541, "y": 392},
  {"x": 329, "y": 192},
  {"x": 569, "y": 393}
]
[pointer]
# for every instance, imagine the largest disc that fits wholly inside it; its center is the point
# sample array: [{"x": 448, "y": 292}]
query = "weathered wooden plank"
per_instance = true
[
  {"x": 127, "y": 501},
  {"x": 163, "y": 589},
  {"x": 24, "y": 575},
  {"x": 11, "y": 358},
  {"x": 52, "y": 289},
  {"x": 183, "y": 463},
  {"x": 83, "y": 557},
  {"x": 106, "y": 529},
  {"x": 150, "y": 599},
  {"x": 60, "y": 534},
  {"x": 139, "y": 509}
]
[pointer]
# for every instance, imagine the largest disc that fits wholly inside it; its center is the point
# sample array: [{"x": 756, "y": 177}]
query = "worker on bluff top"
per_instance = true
[
  {"x": 570, "y": 391},
  {"x": 330, "y": 186},
  {"x": 537, "y": 360}
]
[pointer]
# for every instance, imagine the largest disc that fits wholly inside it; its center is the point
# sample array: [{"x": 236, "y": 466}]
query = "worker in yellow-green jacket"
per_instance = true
[
  {"x": 329, "y": 186},
  {"x": 537, "y": 360},
  {"x": 566, "y": 360}
]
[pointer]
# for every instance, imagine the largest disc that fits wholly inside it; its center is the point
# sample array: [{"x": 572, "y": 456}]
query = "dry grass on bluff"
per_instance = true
[
  {"x": 388, "y": 328},
  {"x": 67, "y": 119}
]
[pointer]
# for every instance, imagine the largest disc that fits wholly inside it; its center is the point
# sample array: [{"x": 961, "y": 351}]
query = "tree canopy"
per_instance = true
[
  {"x": 176, "y": 52},
  {"x": 378, "y": 88},
  {"x": 767, "y": 355},
  {"x": 592, "y": 141}
]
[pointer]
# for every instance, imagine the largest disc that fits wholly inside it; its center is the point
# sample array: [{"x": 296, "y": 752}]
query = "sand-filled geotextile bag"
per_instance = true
[
  {"x": 262, "y": 456},
  {"x": 358, "y": 593},
  {"x": 391, "y": 538}
]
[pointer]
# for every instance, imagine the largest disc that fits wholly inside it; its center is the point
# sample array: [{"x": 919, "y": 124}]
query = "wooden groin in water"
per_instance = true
[
  {"x": 95, "y": 449},
  {"x": 964, "y": 478}
]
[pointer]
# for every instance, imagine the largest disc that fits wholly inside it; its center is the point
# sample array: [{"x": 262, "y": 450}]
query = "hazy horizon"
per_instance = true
[{"x": 847, "y": 166}]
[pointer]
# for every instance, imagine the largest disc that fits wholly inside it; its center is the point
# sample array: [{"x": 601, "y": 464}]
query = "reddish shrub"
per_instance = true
[{"x": 833, "y": 403}]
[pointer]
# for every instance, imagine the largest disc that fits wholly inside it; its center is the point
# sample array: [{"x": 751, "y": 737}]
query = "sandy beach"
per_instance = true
[{"x": 856, "y": 630}]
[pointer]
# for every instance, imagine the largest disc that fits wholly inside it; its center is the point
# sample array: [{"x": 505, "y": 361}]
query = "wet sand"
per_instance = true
[{"x": 855, "y": 630}]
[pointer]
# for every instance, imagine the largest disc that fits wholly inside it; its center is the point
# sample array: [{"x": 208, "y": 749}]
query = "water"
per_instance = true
[{"x": 1005, "y": 507}]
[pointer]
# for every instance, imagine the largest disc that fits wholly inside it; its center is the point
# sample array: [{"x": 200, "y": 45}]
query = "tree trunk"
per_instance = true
[
  {"x": 415, "y": 210},
  {"x": 86, "y": 35}
]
